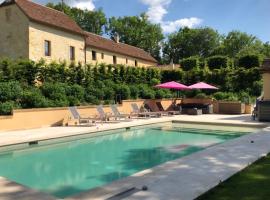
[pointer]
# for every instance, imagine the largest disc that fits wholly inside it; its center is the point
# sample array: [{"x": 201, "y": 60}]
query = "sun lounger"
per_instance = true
[
  {"x": 76, "y": 116},
  {"x": 118, "y": 115},
  {"x": 171, "y": 112},
  {"x": 105, "y": 117},
  {"x": 161, "y": 112},
  {"x": 136, "y": 110}
]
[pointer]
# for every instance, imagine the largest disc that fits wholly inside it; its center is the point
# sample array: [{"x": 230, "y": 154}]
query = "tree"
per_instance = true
[
  {"x": 238, "y": 43},
  {"x": 191, "y": 42},
  {"x": 137, "y": 31},
  {"x": 91, "y": 21}
]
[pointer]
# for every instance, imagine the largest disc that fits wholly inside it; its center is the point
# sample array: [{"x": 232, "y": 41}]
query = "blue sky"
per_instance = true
[{"x": 251, "y": 16}]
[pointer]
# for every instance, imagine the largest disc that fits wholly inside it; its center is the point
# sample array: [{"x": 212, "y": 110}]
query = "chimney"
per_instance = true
[{"x": 116, "y": 37}]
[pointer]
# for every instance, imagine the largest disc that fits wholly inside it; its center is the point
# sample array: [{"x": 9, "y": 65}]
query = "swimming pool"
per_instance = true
[{"x": 72, "y": 167}]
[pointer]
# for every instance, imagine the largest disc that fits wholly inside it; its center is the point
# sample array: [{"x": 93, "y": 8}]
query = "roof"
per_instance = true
[
  {"x": 99, "y": 42},
  {"x": 45, "y": 15},
  {"x": 266, "y": 65}
]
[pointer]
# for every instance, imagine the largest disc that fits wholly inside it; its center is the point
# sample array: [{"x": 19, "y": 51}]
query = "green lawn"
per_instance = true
[{"x": 253, "y": 183}]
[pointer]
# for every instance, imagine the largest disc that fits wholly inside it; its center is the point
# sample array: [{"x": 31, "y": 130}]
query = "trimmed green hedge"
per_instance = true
[{"x": 40, "y": 85}]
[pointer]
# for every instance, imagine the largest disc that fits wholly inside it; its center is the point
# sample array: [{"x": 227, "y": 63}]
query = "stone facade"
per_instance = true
[
  {"x": 60, "y": 43},
  {"x": 14, "y": 33},
  {"x": 24, "y": 34},
  {"x": 108, "y": 58}
]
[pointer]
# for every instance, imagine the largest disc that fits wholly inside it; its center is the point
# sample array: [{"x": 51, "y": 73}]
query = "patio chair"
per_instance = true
[
  {"x": 76, "y": 115},
  {"x": 119, "y": 115},
  {"x": 162, "y": 113},
  {"x": 136, "y": 110},
  {"x": 105, "y": 117},
  {"x": 170, "y": 112}
]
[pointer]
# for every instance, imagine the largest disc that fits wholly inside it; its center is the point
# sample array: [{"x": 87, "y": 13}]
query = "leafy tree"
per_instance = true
[
  {"x": 190, "y": 42},
  {"x": 239, "y": 42},
  {"x": 91, "y": 21},
  {"x": 137, "y": 31}
]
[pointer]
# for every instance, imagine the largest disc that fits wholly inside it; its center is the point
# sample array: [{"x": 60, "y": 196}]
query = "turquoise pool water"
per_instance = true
[{"x": 73, "y": 167}]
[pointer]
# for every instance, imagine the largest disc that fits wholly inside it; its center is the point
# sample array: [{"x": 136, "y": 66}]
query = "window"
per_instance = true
[
  {"x": 47, "y": 48},
  {"x": 102, "y": 56},
  {"x": 114, "y": 60},
  {"x": 136, "y": 63},
  {"x": 72, "y": 53},
  {"x": 126, "y": 61},
  {"x": 94, "y": 55}
]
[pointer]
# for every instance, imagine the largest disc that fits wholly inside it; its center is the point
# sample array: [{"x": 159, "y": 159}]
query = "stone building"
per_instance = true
[{"x": 33, "y": 31}]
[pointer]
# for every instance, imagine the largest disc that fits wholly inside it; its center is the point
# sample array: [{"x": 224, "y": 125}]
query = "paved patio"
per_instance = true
[{"x": 184, "y": 178}]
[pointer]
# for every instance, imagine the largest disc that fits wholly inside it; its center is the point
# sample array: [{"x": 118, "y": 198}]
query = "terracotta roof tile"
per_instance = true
[
  {"x": 96, "y": 41},
  {"x": 45, "y": 15}
]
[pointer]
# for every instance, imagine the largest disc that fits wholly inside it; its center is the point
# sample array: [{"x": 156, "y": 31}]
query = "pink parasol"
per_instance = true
[
  {"x": 173, "y": 85},
  {"x": 202, "y": 85}
]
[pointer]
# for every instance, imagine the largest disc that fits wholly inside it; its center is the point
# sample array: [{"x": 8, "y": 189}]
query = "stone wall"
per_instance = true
[
  {"x": 36, "y": 118},
  {"x": 13, "y": 33}
]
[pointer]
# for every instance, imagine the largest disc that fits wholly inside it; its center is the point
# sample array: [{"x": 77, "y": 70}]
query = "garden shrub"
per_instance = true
[
  {"x": 226, "y": 96},
  {"x": 93, "y": 94},
  {"x": 33, "y": 98},
  {"x": 146, "y": 92},
  {"x": 123, "y": 91},
  {"x": 10, "y": 91},
  {"x": 75, "y": 94},
  {"x": 162, "y": 93},
  {"x": 6, "y": 108},
  {"x": 201, "y": 96},
  {"x": 249, "y": 61},
  {"x": 217, "y": 62},
  {"x": 134, "y": 91},
  {"x": 55, "y": 93},
  {"x": 190, "y": 63}
]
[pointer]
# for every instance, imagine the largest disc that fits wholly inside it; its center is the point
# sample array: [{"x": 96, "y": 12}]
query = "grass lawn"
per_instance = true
[{"x": 253, "y": 183}]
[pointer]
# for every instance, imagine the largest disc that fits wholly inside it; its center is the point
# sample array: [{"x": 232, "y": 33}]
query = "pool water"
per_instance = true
[{"x": 69, "y": 168}]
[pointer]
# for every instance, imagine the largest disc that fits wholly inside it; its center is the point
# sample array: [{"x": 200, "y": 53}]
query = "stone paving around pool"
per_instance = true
[{"x": 182, "y": 179}]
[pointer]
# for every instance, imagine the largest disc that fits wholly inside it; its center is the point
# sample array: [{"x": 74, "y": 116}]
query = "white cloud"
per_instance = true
[
  {"x": 82, "y": 4},
  {"x": 172, "y": 26},
  {"x": 158, "y": 9}
]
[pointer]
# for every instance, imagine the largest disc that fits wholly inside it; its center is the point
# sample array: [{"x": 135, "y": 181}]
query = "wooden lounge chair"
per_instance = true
[
  {"x": 136, "y": 110},
  {"x": 76, "y": 116},
  {"x": 171, "y": 112},
  {"x": 118, "y": 115},
  {"x": 161, "y": 112}
]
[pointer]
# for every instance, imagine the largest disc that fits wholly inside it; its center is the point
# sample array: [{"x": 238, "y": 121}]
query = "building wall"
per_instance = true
[
  {"x": 13, "y": 32},
  {"x": 60, "y": 43},
  {"x": 108, "y": 58},
  {"x": 266, "y": 86}
]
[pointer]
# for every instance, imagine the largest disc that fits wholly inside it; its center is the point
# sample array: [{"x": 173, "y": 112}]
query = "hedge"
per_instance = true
[
  {"x": 189, "y": 63},
  {"x": 58, "y": 84},
  {"x": 249, "y": 61},
  {"x": 218, "y": 62}
]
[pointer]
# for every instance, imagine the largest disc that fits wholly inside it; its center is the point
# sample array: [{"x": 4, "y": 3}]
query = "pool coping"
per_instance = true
[{"x": 146, "y": 177}]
